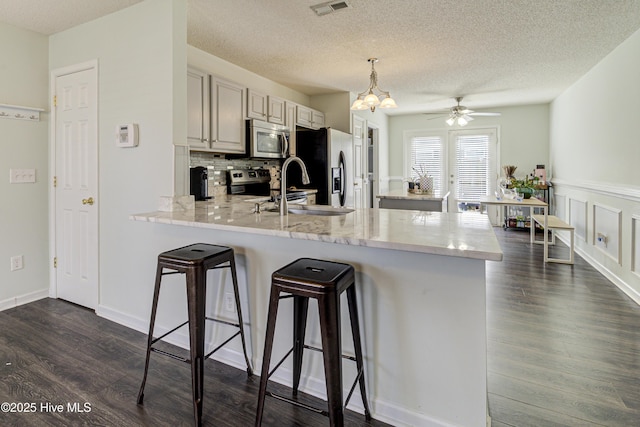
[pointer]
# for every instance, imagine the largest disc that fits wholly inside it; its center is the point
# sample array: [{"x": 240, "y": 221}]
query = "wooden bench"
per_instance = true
[{"x": 555, "y": 223}]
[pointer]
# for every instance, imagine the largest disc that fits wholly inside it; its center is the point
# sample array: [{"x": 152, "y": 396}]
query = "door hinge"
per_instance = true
[
  {"x": 55, "y": 100},
  {"x": 55, "y": 262},
  {"x": 55, "y": 181}
]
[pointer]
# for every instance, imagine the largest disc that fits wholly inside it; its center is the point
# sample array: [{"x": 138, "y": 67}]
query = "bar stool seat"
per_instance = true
[
  {"x": 194, "y": 261},
  {"x": 324, "y": 281}
]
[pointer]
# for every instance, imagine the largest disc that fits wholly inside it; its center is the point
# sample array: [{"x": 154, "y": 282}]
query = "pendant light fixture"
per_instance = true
[{"x": 370, "y": 99}]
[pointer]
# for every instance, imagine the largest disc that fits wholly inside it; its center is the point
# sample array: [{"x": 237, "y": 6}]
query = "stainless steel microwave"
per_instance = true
[{"x": 267, "y": 140}]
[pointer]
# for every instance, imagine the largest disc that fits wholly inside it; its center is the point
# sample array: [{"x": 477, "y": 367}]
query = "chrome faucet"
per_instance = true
[{"x": 284, "y": 208}]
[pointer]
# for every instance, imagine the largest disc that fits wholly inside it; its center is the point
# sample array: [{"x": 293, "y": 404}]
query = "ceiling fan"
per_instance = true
[{"x": 462, "y": 115}]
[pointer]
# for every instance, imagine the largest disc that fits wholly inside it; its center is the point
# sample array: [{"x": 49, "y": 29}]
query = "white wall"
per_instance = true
[
  {"x": 523, "y": 135},
  {"x": 141, "y": 53},
  {"x": 595, "y": 150},
  {"x": 23, "y": 210}
]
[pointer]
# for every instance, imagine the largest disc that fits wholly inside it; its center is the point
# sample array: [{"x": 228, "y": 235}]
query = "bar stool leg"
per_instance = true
[
  {"x": 196, "y": 299},
  {"x": 274, "y": 300},
  {"x": 329, "y": 308},
  {"x": 234, "y": 278},
  {"x": 300, "y": 309},
  {"x": 154, "y": 309},
  {"x": 357, "y": 345}
]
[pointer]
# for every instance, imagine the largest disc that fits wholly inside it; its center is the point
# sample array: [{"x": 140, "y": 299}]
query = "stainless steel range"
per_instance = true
[
  {"x": 256, "y": 182},
  {"x": 252, "y": 182}
]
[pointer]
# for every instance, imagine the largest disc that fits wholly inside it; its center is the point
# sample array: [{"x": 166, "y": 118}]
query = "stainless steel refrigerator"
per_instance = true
[{"x": 328, "y": 155}]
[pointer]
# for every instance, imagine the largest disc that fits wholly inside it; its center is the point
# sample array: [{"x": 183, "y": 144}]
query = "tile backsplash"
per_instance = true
[{"x": 218, "y": 165}]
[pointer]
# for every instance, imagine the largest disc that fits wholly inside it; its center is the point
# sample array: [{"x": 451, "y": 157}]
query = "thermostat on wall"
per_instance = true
[{"x": 127, "y": 135}]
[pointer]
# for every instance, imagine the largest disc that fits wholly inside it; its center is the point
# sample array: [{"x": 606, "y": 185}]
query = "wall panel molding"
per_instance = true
[{"x": 608, "y": 189}]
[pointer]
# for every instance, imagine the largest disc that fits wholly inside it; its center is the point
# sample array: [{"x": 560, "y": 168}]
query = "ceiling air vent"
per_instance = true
[{"x": 329, "y": 7}]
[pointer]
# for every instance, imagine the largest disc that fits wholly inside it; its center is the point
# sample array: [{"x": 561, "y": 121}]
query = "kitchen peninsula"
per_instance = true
[
  {"x": 421, "y": 288},
  {"x": 403, "y": 199}
]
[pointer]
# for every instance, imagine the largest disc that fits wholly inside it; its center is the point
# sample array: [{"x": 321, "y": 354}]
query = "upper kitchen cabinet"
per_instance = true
[
  {"x": 198, "y": 112},
  {"x": 276, "y": 110},
  {"x": 265, "y": 107},
  {"x": 256, "y": 105},
  {"x": 317, "y": 119},
  {"x": 309, "y": 117},
  {"x": 227, "y": 116},
  {"x": 303, "y": 116},
  {"x": 215, "y": 114}
]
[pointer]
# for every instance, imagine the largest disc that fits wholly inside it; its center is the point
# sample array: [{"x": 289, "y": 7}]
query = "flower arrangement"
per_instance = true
[{"x": 425, "y": 181}]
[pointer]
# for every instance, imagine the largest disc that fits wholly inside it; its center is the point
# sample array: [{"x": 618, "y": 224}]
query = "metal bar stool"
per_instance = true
[
  {"x": 194, "y": 261},
  {"x": 325, "y": 281}
]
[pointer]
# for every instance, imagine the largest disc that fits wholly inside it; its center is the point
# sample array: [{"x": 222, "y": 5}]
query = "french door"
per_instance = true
[
  {"x": 462, "y": 163},
  {"x": 472, "y": 168}
]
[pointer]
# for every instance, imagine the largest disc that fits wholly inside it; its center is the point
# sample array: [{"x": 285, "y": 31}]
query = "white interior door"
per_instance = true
[{"x": 76, "y": 191}]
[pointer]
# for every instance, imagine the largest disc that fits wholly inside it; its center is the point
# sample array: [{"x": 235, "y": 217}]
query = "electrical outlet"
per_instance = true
[
  {"x": 17, "y": 263},
  {"x": 229, "y": 302},
  {"x": 601, "y": 239}
]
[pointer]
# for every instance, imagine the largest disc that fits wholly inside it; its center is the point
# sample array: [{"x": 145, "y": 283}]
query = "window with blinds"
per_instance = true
[
  {"x": 426, "y": 155},
  {"x": 474, "y": 167}
]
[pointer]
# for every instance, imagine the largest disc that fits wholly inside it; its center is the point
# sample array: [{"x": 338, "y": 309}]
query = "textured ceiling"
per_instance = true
[{"x": 493, "y": 52}]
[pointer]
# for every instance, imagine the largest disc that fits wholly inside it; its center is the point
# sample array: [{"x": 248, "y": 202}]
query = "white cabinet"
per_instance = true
[
  {"x": 215, "y": 114},
  {"x": 256, "y": 105},
  {"x": 198, "y": 113},
  {"x": 309, "y": 118},
  {"x": 276, "y": 110},
  {"x": 317, "y": 119},
  {"x": 265, "y": 107},
  {"x": 227, "y": 117},
  {"x": 303, "y": 116}
]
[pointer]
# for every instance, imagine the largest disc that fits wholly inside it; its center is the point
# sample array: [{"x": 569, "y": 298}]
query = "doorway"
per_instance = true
[
  {"x": 472, "y": 168},
  {"x": 75, "y": 201},
  {"x": 462, "y": 163}
]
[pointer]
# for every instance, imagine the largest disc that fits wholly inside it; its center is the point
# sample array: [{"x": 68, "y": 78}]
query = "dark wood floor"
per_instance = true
[
  {"x": 564, "y": 342},
  {"x": 55, "y": 352},
  {"x": 564, "y": 350}
]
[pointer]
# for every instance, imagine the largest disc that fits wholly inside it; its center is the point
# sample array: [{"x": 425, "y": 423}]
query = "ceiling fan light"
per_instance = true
[
  {"x": 462, "y": 121},
  {"x": 451, "y": 120},
  {"x": 388, "y": 102}
]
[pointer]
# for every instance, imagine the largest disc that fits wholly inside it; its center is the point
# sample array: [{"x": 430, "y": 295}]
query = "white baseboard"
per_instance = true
[
  {"x": 178, "y": 338},
  {"x": 381, "y": 410},
  {"x": 615, "y": 279},
  {"x": 24, "y": 299}
]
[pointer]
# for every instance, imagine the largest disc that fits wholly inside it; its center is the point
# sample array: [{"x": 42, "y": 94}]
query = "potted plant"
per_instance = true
[{"x": 526, "y": 186}]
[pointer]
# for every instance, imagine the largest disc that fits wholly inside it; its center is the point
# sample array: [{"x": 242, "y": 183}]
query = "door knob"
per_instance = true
[{"x": 88, "y": 201}]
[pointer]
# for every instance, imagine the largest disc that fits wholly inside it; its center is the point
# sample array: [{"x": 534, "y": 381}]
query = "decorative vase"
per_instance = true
[{"x": 426, "y": 184}]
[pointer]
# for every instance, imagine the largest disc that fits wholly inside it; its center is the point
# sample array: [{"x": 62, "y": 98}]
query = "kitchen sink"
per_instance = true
[{"x": 318, "y": 210}]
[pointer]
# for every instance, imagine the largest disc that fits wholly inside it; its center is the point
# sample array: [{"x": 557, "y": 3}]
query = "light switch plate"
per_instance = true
[{"x": 22, "y": 176}]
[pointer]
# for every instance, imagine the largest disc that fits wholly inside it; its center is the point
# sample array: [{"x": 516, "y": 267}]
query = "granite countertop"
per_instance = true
[
  {"x": 466, "y": 235},
  {"x": 405, "y": 195}
]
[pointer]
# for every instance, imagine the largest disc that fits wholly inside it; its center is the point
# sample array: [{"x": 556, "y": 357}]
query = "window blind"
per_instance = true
[
  {"x": 427, "y": 154},
  {"x": 473, "y": 164}
]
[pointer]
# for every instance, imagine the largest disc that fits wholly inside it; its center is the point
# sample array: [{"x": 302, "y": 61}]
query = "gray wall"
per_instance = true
[{"x": 23, "y": 210}]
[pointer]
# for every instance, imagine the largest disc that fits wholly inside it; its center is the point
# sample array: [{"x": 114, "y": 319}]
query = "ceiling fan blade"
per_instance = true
[{"x": 484, "y": 114}]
